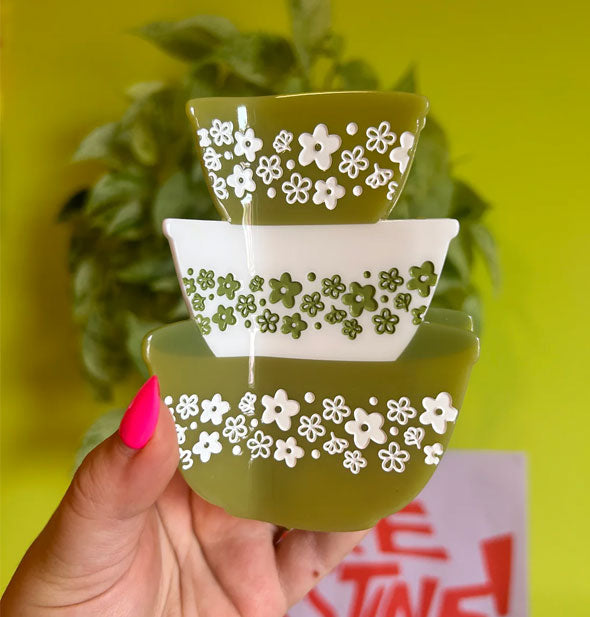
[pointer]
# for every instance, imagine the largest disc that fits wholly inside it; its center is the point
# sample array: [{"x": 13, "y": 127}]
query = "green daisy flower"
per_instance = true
[
  {"x": 390, "y": 279},
  {"x": 227, "y": 286},
  {"x": 418, "y": 315},
  {"x": 189, "y": 285},
  {"x": 351, "y": 328},
  {"x": 224, "y": 317},
  {"x": 312, "y": 303},
  {"x": 284, "y": 290},
  {"x": 203, "y": 323},
  {"x": 246, "y": 305},
  {"x": 335, "y": 315},
  {"x": 360, "y": 298},
  {"x": 333, "y": 287},
  {"x": 385, "y": 322},
  {"x": 293, "y": 325},
  {"x": 423, "y": 278},
  {"x": 205, "y": 279},
  {"x": 256, "y": 283},
  {"x": 268, "y": 321},
  {"x": 198, "y": 302}
]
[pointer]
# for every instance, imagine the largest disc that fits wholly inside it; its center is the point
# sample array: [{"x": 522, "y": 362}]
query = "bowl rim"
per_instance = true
[
  {"x": 451, "y": 222},
  {"x": 251, "y": 99}
]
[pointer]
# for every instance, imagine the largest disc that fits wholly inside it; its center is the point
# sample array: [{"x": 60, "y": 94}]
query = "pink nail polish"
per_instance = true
[{"x": 140, "y": 419}]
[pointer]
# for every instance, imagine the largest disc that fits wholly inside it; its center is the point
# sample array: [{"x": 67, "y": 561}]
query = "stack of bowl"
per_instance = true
[{"x": 312, "y": 387}]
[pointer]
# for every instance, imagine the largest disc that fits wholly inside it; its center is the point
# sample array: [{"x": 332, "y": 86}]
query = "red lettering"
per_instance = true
[
  {"x": 361, "y": 574},
  {"x": 497, "y": 558},
  {"x": 497, "y": 554},
  {"x": 398, "y": 604},
  {"x": 318, "y": 602},
  {"x": 387, "y": 530},
  {"x": 414, "y": 507},
  {"x": 373, "y": 606}
]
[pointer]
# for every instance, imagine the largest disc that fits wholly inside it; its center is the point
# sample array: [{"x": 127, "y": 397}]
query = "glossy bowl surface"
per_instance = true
[
  {"x": 319, "y": 445},
  {"x": 321, "y": 158},
  {"x": 336, "y": 292}
]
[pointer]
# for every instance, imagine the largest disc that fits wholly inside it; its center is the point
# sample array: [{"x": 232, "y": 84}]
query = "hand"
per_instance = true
[{"x": 130, "y": 538}]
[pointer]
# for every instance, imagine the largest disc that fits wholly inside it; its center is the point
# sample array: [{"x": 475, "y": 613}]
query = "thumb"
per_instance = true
[
  {"x": 97, "y": 526},
  {"x": 124, "y": 475}
]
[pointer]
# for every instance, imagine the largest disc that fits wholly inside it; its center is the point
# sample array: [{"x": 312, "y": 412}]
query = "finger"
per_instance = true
[
  {"x": 104, "y": 511},
  {"x": 239, "y": 559},
  {"x": 304, "y": 557},
  {"x": 124, "y": 476}
]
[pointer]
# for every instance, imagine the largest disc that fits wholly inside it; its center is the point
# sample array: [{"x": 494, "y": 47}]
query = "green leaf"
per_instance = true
[
  {"x": 202, "y": 81},
  {"x": 451, "y": 299},
  {"x": 156, "y": 123},
  {"x": 407, "y": 82},
  {"x": 116, "y": 186},
  {"x": 466, "y": 203},
  {"x": 357, "y": 75},
  {"x": 144, "y": 89},
  {"x": 311, "y": 22},
  {"x": 190, "y": 39},
  {"x": 217, "y": 79},
  {"x": 401, "y": 210},
  {"x": 460, "y": 257},
  {"x": 429, "y": 189},
  {"x": 166, "y": 284},
  {"x": 322, "y": 76},
  {"x": 174, "y": 199},
  {"x": 86, "y": 279},
  {"x": 143, "y": 143},
  {"x": 101, "y": 351},
  {"x": 146, "y": 270},
  {"x": 449, "y": 282},
  {"x": 333, "y": 45},
  {"x": 73, "y": 206},
  {"x": 262, "y": 59},
  {"x": 136, "y": 331},
  {"x": 293, "y": 84},
  {"x": 486, "y": 245},
  {"x": 102, "y": 428},
  {"x": 99, "y": 145},
  {"x": 82, "y": 243},
  {"x": 126, "y": 217},
  {"x": 179, "y": 311}
]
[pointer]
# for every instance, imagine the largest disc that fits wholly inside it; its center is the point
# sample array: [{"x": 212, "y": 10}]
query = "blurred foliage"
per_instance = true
[
  {"x": 104, "y": 426},
  {"x": 123, "y": 276}
]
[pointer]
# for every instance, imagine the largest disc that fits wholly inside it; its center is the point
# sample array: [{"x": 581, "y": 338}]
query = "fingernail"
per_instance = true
[{"x": 140, "y": 419}]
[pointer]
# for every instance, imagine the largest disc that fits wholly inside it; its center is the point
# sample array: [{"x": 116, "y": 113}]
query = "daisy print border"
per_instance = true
[
  {"x": 239, "y": 163},
  {"x": 276, "y": 429},
  {"x": 375, "y": 302}
]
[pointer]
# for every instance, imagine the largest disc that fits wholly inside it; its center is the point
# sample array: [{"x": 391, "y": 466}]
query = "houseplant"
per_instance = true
[{"x": 122, "y": 272}]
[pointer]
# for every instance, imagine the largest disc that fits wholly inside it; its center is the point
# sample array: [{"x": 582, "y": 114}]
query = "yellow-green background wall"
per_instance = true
[{"x": 509, "y": 81}]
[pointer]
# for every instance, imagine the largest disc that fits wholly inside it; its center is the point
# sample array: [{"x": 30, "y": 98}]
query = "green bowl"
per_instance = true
[
  {"x": 321, "y": 445},
  {"x": 321, "y": 158}
]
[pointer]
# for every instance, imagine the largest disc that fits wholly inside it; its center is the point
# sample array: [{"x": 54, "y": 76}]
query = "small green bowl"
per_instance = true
[
  {"x": 311, "y": 444},
  {"x": 318, "y": 158}
]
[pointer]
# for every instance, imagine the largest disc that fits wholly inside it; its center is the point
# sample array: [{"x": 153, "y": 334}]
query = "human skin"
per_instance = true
[{"x": 130, "y": 538}]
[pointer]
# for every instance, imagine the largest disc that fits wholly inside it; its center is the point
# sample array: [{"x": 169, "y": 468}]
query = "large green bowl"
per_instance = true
[
  {"x": 322, "y": 445},
  {"x": 321, "y": 158}
]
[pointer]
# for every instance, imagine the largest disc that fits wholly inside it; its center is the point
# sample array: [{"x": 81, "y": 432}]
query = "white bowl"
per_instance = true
[{"x": 349, "y": 301}]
